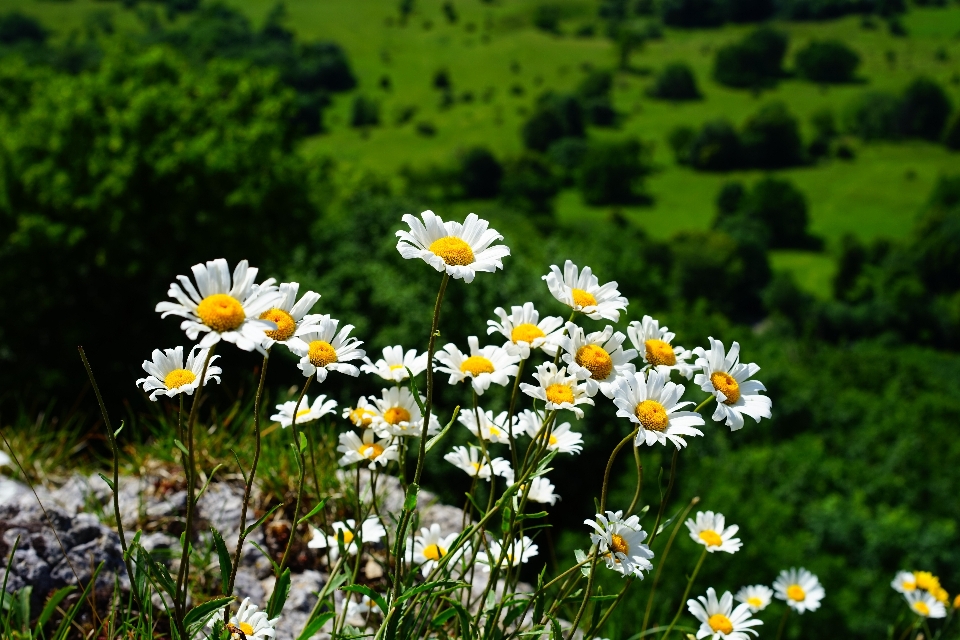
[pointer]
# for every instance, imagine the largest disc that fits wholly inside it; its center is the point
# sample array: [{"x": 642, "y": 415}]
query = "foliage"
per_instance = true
[
  {"x": 773, "y": 213},
  {"x": 676, "y": 81},
  {"x": 754, "y": 61},
  {"x": 716, "y": 147},
  {"x": 611, "y": 172},
  {"x": 827, "y": 61},
  {"x": 771, "y": 138},
  {"x": 924, "y": 109},
  {"x": 529, "y": 184},
  {"x": 365, "y": 112},
  {"x": 556, "y": 116},
  {"x": 874, "y": 115},
  {"x": 480, "y": 173},
  {"x": 693, "y": 13},
  {"x": 594, "y": 93}
]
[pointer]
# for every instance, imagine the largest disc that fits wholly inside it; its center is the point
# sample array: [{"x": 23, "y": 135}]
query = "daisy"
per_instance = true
[
  {"x": 726, "y": 378},
  {"x": 361, "y": 415},
  {"x": 491, "y": 429},
  {"x": 708, "y": 530},
  {"x": 168, "y": 377},
  {"x": 904, "y": 582},
  {"x": 653, "y": 343},
  {"x": 925, "y": 605},
  {"x": 248, "y": 623},
  {"x": 561, "y": 438},
  {"x": 542, "y": 490},
  {"x": 427, "y": 548},
  {"x": 471, "y": 461},
  {"x": 557, "y": 389},
  {"x": 397, "y": 414},
  {"x": 322, "y": 349},
  {"x": 356, "y": 450},
  {"x": 941, "y": 595},
  {"x": 222, "y": 308},
  {"x": 598, "y": 357},
  {"x": 800, "y": 589},
  {"x": 485, "y": 366},
  {"x": 321, "y": 407},
  {"x": 756, "y": 596},
  {"x": 371, "y": 532},
  {"x": 524, "y": 330},
  {"x": 288, "y": 314},
  {"x": 926, "y": 581},
  {"x": 512, "y": 554},
  {"x": 458, "y": 249},
  {"x": 394, "y": 364},
  {"x": 719, "y": 620},
  {"x": 581, "y": 291},
  {"x": 357, "y": 612},
  {"x": 652, "y": 404},
  {"x": 620, "y": 543},
  {"x": 956, "y": 602}
]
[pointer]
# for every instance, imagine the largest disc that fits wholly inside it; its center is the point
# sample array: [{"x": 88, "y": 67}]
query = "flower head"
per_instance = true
[
  {"x": 800, "y": 589},
  {"x": 483, "y": 366},
  {"x": 322, "y": 349},
  {"x": 620, "y": 543},
  {"x": 168, "y": 376},
  {"x": 248, "y": 621},
  {"x": 653, "y": 344},
  {"x": 361, "y": 415},
  {"x": 708, "y": 530},
  {"x": 542, "y": 490},
  {"x": 356, "y": 450},
  {"x": 307, "y": 412},
  {"x": 221, "y": 307},
  {"x": 598, "y": 357},
  {"x": 461, "y": 250},
  {"x": 394, "y": 364},
  {"x": 524, "y": 330},
  {"x": 904, "y": 582},
  {"x": 719, "y": 620},
  {"x": 756, "y": 596},
  {"x": 370, "y": 532},
  {"x": 398, "y": 414},
  {"x": 725, "y": 377},
  {"x": 581, "y": 291},
  {"x": 652, "y": 404},
  {"x": 429, "y": 547},
  {"x": 558, "y": 389},
  {"x": 925, "y": 605},
  {"x": 475, "y": 465},
  {"x": 288, "y": 314},
  {"x": 561, "y": 438},
  {"x": 513, "y": 554},
  {"x": 490, "y": 429}
]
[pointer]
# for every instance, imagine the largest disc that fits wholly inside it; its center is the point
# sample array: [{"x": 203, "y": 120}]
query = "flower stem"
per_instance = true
[
  {"x": 663, "y": 561},
  {"x": 666, "y": 496},
  {"x": 686, "y": 592},
  {"x": 636, "y": 494},
  {"x": 783, "y": 623},
  {"x": 303, "y": 471}
]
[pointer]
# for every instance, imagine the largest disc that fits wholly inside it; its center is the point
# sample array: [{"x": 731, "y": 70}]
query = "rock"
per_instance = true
[{"x": 303, "y": 597}]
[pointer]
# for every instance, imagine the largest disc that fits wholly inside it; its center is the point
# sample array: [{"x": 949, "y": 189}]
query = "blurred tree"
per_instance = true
[
  {"x": 556, "y": 116},
  {"x": 676, "y": 82},
  {"x": 529, "y": 185},
  {"x": 716, "y": 147},
  {"x": 693, "y": 13},
  {"x": 771, "y": 138},
  {"x": 611, "y": 172},
  {"x": 755, "y": 61},
  {"x": 873, "y": 115},
  {"x": 924, "y": 109},
  {"x": 827, "y": 61},
  {"x": 480, "y": 173}
]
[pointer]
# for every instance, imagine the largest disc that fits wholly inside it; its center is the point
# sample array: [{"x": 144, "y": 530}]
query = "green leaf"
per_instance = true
[
  {"x": 317, "y": 509},
  {"x": 198, "y": 616},
  {"x": 280, "y": 592},
  {"x": 466, "y": 628},
  {"x": 276, "y": 567},
  {"x": 370, "y": 593},
  {"x": 439, "y": 619},
  {"x": 226, "y": 565},
  {"x": 527, "y": 516},
  {"x": 240, "y": 466},
  {"x": 303, "y": 442},
  {"x": 117, "y": 432},
  {"x": 256, "y": 525},
  {"x": 416, "y": 394},
  {"x": 595, "y": 619},
  {"x": 209, "y": 478},
  {"x": 314, "y": 626},
  {"x": 51, "y": 606},
  {"x": 581, "y": 556},
  {"x": 432, "y": 442},
  {"x": 539, "y": 600},
  {"x": 505, "y": 521},
  {"x": 555, "y": 632},
  {"x": 108, "y": 481},
  {"x": 410, "y": 502},
  {"x": 181, "y": 447},
  {"x": 441, "y": 585},
  {"x": 666, "y": 524}
]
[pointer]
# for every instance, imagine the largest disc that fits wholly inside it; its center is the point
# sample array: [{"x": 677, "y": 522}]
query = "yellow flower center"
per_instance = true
[
  {"x": 652, "y": 415},
  {"x": 921, "y": 608},
  {"x": 559, "y": 393},
  {"x": 941, "y": 595},
  {"x": 596, "y": 360},
  {"x": 755, "y": 602},
  {"x": 302, "y": 412},
  {"x": 322, "y": 353},
  {"x": 286, "y": 325},
  {"x": 475, "y": 365},
  {"x": 926, "y": 581},
  {"x": 619, "y": 545},
  {"x": 796, "y": 593},
  {"x": 494, "y": 431},
  {"x": 347, "y": 536},
  {"x": 454, "y": 251},
  {"x": 583, "y": 298},
  {"x": 221, "y": 312},
  {"x": 394, "y": 367},
  {"x": 711, "y": 538},
  {"x": 476, "y": 467},
  {"x": 371, "y": 450},
  {"x": 553, "y": 440},
  {"x": 434, "y": 552},
  {"x": 909, "y": 586},
  {"x": 526, "y": 333},
  {"x": 179, "y": 377},
  {"x": 720, "y": 623},
  {"x": 725, "y": 384},
  {"x": 396, "y": 415},
  {"x": 956, "y": 602},
  {"x": 246, "y": 628},
  {"x": 361, "y": 417},
  {"x": 659, "y": 352}
]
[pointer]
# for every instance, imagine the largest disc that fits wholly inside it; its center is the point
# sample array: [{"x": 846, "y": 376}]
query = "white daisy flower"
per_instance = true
[
  {"x": 472, "y": 462},
  {"x": 168, "y": 375},
  {"x": 598, "y": 357},
  {"x": 361, "y": 415},
  {"x": 288, "y": 314},
  {"x": 925, "y": 605},
  {"x": 652, "y": 404},
  {"x": 653, "y": 344},
  {"x": 709, "y": 531},
  {"x": 719, "y": 620},
  {"x": 581, "y": 291},
  {"x": 905, "y": 582},
  {"x": 557, "y": 389},
  {"x": 397, "y": 414},
  {"x": 800, "y": 589},
  {"x": 371, "y": 532},
  {"x": 322, "y": 349},
  {"x": 307, "y": 413},
  {"x": 620, "y": 543},
  {"x": 427, "y": 548},
  {"x": 357, "y": 612},
  {"x": 222, "y": 308},
  {"x": 485, "y": 366},
  {"x": 542, "y": 490},
  {"x": 756, "y": 596},
  {"x": 561, "y": 438},
  {"x": 513, "y": 554},
  {"x": 248, "y": 621},
  {"x": 356, "y": 450},
  {"x": 726, "y": 378},
  {"x": 524, "y": 330},
  {"x": 458, "y": 249},
  {"x": 394, "y": 364},
  {"x": 491, "y": 429}
]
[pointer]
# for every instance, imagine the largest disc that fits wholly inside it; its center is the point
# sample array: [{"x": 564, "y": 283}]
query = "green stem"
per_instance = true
[
  {"x": 686, "y": 592},
  {"x": 303, "y": 471},
  {"x": 663, "y": 561},
  {"x": 783, "y": 623},
  {"x": 636, "y": 494},
  {"x": 666, "y": 496},
  {"x": 513, "y": 403}
]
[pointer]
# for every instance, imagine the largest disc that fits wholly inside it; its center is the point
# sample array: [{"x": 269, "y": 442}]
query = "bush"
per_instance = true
[
  {"x": 771, "y": 138},
  {"x": 676, "y": 82},
  {"x": 556, "y": 116},
  {"x": 365, "y": 112},
  {"x": 567, "y": 154},
  {"x": 755, "y": 61},
  {"x": 749, "y": 10},
  {"x": 874, "y": 115},
  {"x": 951, "y": 136},
  {"x": 827, "y": 61},
  {"x": 681, "y": 140},
  {"x": 782, "y": 209},
  {"x": 822, "y": 9},
  {"x": 546, "y": 17},
  {"x": 611, "y": 172},
  {"x": 16, "y": 28},
  {"x": 529, "y": 184},
  {"x": 716, "y": 147},
  {"x": 693, "y": 13},
  {"x": 924, "y": 109},
  {"x": 596, "y": 84},
  {"x": 480, "y": 174}
]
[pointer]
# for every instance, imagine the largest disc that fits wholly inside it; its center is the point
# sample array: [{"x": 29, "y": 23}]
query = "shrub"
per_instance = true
[
  {"x": 874, "y": 115},
  {"x": 771, "y": 138},
  {"x": 567, "y": 154},
  {"x": 681, "y": 140},
  {"x": 716, "y": 147},
  {"x": 611, "y": 172},
  {"x": 730, "y": 199},
  {"x": 16, "y": 28},
  {"x": 951, "y": 136},
  {"x": 546, "y": 17},
  {"x": 556, "y": 116},
  {"x": 529, "y": 184},
  {"x": 782, "y": 209},
  {"x": 693, "y": 13},
  {"x": 749, "y": 10},
  {"x": 596, "y": 84},
  {"x": 924, "y": 109},
  {"x": 441, "y": 80},
  {"x": 480, "y": 173},
  {"x": 754, "y": 61},
  {"x": 365, "y": 112},
  {"x": 821, "y": 9},
  {"x": 676, "y": 82},
  {"x": 827, "y": 61}
]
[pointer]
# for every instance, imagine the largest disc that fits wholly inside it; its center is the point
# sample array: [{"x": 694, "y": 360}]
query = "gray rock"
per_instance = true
[{"x": 303, "y": 597}]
